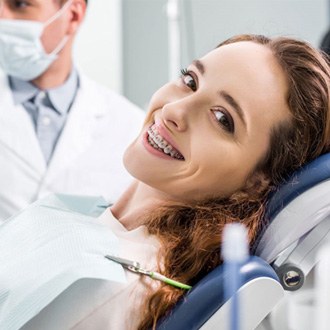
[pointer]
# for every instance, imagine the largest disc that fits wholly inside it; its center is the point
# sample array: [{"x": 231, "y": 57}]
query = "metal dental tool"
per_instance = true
[{"x": 134, "y": 267}]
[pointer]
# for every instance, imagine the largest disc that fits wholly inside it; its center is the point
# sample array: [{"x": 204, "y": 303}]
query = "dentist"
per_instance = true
[{"x": 59, "y": 131}]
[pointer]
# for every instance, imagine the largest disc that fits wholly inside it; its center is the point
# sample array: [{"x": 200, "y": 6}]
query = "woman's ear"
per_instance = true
[{"x": 77, "y": 11}]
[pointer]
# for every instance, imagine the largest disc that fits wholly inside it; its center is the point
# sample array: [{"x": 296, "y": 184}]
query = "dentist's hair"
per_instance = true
[{"x": 191, "y": 234}]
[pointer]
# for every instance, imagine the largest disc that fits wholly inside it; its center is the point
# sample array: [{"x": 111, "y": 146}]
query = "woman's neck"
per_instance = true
[{"x": 137, "y": 200}]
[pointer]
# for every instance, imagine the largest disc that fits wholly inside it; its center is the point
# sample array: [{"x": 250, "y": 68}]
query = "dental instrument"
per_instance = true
[{"x": 134, "y": 267}]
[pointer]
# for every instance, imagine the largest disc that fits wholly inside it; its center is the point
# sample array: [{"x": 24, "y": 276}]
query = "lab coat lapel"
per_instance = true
[
  {"x": 17, "y": 133},
  {"x": 77, "y": 133}
]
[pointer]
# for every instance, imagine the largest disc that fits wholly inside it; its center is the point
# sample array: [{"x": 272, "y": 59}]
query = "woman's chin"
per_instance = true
[
  {"x": 127, "y": 158},
  {"x": 133, "y": 160}
]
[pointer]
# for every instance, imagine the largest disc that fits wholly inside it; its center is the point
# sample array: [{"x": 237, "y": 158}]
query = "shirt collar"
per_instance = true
[
  {"x": 61, "y": 97},
  {"x": 22, "y": 90}
]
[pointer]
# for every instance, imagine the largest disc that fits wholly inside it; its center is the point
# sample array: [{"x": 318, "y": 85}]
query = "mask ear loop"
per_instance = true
[
  {"x": 57, "y": 14},
  {"x": 60, "y": 46}
]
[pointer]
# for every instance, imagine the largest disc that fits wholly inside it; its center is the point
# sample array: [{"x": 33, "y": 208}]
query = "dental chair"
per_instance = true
[
  {"x": 299, "y": 227},
  {"x": 277, "y": 292}
]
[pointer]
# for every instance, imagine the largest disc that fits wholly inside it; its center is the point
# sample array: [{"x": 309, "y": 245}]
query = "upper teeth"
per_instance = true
[{"x": 158, "y": 142}]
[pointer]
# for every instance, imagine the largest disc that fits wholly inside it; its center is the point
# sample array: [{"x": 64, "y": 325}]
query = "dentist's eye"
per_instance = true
[
  {"x": 188, "y": 79},
  {"x": 20, "y": 4},
  {"x": 224, "y": 119}
]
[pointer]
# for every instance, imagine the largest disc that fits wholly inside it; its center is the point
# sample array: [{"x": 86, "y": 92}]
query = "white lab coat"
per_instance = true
[{"x": 88, "y": 156}]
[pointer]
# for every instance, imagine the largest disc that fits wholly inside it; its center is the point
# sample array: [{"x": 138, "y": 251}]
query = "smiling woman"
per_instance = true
[
  {"x": 239, "y": 120},
  {"x": 214, "y": 144}
]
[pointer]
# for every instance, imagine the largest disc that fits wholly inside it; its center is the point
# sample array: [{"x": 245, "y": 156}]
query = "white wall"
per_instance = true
[
  {"x": 98, "y": 49},
  {"x": 204, "y": 23},
  {"x": 132, "y": 58}
]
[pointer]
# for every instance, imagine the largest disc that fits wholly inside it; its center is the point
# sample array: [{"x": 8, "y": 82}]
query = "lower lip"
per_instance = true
[{"x": 152, "y": 150}]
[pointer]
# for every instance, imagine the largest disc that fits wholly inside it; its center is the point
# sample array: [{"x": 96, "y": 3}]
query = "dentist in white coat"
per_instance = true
[{"x": 59, "y": 131}]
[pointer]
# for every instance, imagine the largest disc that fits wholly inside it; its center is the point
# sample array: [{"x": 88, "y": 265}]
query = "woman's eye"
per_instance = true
[
  {"x": 224, "y": 119},
  {"x": 188, "y": 80},
  {"x": 20, "y": 4}
]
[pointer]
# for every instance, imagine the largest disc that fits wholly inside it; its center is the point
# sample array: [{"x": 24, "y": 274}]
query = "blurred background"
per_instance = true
[{"x": 133, "y": 46}]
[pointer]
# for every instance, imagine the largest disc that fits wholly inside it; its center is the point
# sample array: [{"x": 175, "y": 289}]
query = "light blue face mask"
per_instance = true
[{"x": 22, "y": 54}]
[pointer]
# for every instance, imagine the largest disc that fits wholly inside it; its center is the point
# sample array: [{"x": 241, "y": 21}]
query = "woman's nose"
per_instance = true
[{"x": 176, "y": 115}]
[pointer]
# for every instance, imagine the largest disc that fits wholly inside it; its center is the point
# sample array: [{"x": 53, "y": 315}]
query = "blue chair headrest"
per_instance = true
[{"x": 308, "y": 176}]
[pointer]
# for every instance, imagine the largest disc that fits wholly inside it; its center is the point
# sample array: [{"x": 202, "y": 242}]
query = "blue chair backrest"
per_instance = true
[
  {"x": 302, "y": 180},
  {"x": 309, "y": 176},
  {"x": 205, "y": 298}
]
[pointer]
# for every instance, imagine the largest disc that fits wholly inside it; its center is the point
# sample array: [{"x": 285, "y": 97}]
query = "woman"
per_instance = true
[{"x": 214, "y": 143}]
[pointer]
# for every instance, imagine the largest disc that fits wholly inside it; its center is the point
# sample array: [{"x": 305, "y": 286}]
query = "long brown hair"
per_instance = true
[{"x": 190, "y": 234}]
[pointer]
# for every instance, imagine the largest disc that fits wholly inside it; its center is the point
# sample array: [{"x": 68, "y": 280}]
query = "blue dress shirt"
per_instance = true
[{"x": 48, "y": 109}]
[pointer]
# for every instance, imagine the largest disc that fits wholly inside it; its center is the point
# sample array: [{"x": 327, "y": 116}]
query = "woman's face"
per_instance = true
[{"x": 206, "y": 132}]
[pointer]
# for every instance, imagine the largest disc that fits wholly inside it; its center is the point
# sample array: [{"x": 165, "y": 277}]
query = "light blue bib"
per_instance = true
[{"x": 48, "y": 247}]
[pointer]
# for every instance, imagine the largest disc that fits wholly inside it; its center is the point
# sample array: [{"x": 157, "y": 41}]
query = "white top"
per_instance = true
[{"x": 111, "y": 305}]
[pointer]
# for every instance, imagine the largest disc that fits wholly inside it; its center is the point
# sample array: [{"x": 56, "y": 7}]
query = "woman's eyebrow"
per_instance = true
[
  {"x": 199, "y": 65},
  {"x": 228, "y": 98},
  {"x": 234, "y": 105}
]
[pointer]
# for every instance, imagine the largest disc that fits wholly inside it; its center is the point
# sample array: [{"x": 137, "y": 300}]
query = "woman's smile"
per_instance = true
[
  {"x": 161, "y": 146},
  {"x": 160, "y": 143}
]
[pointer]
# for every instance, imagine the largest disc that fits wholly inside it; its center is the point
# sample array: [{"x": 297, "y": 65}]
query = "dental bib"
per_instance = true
[{"x": 48, "y": 247}]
